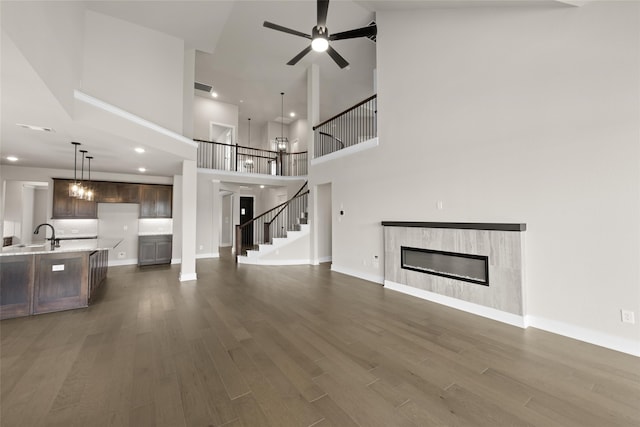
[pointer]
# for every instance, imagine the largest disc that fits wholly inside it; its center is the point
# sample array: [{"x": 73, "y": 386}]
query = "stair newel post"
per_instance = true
[{"x": 238, "y": 241}]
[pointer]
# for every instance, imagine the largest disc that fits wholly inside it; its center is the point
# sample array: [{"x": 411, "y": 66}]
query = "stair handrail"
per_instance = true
[
  {"x": 346, "y": 111},
  {"x": 289, "y": 201},
  {"x": 335, "y": 138}
]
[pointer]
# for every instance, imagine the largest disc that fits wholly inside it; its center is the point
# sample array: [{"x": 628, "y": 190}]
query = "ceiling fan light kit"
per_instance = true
[{"x": 320, "y": 38}]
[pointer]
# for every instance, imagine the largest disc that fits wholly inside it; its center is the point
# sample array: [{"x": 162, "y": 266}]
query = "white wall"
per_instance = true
[
  {"x": 134, "y": 68},
  {"x": 120, "y": 220},
  {"x": 227, "y": 221},
  {"x": 28, "y": 194},
  {"x": 511, "y": 115},
  {"x": 298, "y": 131},
  {"x": 12, "y": 210},
  {"x": 325, "y": 221},
  {"x": 206, "y": 111},
  {"x": 40, "y": 205}
]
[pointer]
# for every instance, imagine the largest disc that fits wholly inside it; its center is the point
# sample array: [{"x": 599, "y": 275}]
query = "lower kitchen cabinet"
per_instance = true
[
  {"x": 98, "y": 261},
  {"x": 154, "y": 249},
  {"x": 16, "y": 285}
]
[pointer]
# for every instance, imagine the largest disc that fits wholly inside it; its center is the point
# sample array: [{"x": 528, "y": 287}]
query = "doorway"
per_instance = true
[{"x": 246, "y": 213}]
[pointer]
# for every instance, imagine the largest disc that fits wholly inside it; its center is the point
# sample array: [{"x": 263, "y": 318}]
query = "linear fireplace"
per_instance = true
[{"x": 465, "y": 267}]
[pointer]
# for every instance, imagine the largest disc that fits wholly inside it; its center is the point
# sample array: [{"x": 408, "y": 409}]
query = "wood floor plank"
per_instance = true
[
  {"x": 225, "y": 367},
  {"x": 300, "y": 346},
  {"x": 359, "y": 402}
]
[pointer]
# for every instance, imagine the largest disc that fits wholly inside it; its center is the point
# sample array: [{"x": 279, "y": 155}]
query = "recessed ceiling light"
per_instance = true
[
  {"x": 12, "y": 158},
  {"x": 139, "y": 150},
  {"x": 32, "y": 127},
  {"x": 262, "y": 186},
  {"x": 292, "y": 114},
  {"x": 241, "y": 101},
  {"x": 214, "y": 94},
  {"x": 142, "y": 169}
]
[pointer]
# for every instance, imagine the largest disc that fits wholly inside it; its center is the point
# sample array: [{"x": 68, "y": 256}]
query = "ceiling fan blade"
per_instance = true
[
  {"x": 371, "y": 30},
  {"x": 323, "y": 8},
  {"x": 299, "y": 56},
  {"x": 285, "y": 30},
  {"x": 337, "y": 57}
]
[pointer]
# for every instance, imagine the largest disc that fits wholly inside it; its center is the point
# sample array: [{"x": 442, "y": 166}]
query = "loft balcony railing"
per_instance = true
[
  {"x": 353, "y": 126},
  {"x": 237, "y": 158}
]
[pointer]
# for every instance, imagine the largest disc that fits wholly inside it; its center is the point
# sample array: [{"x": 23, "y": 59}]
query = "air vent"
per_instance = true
[
  {"x": 202, "y": 86},
  {"x": 372, "y": 38}
]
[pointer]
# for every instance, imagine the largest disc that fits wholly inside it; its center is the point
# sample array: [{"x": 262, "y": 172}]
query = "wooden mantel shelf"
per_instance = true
[{"x": 459, "y": 225}]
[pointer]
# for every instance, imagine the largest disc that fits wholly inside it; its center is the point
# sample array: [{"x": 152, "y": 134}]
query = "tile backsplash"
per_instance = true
[
  {"x": 155, "y": 226},
  {"x": 75, "y": 227}
]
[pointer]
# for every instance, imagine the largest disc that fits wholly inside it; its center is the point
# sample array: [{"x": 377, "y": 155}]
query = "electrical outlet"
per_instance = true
[
  {"x": 121, "y": 255},
  {"x": 628, "y": 316},
  {"x": 201, "y": 247},
  {"x": 440, "y": 205},
  {"x": 376, "y": 262}
]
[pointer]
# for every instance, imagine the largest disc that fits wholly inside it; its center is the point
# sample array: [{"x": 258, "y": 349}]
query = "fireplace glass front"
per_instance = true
[{"x": 465, "y": 267}]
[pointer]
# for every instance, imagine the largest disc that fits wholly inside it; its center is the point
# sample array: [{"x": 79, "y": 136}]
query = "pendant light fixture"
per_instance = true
[
  {"x": 249, "y": 162},
  {"x": 74, "y": 187},
  {"x": 82, "y": 190},
  {"x": 282, "y": 140},
  {"x": 88, "y": 188}
]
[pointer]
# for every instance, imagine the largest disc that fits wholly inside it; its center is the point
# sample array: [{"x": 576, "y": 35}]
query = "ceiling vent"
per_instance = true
[
  {"x": 202, "y": 86},
  {"x": 372, "y": 38}
]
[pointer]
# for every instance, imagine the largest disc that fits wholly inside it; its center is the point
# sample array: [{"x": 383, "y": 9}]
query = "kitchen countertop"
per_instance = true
[{"x": 80, "y": 245}]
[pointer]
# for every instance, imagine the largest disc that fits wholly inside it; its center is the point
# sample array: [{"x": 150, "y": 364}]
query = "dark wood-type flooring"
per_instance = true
[{"x": 296, "y": 346}]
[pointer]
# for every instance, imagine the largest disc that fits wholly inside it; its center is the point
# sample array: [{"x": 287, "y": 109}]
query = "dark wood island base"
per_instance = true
[{"x": 36, "y": 284}]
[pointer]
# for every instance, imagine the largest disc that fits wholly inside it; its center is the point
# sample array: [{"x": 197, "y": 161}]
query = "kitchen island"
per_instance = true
[{"x": 36, "y": 279}]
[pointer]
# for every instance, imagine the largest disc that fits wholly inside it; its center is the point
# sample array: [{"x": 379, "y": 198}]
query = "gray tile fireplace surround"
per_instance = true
[{"x": 503, "y": 244}]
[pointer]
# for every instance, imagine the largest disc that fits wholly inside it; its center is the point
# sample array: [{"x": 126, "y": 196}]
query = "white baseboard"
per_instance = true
[
  {"x": 258, "y": 261},
  {"x": 208, "y": 255},
  {"x": 119, "y": 262},
  {"x": 359, "y": 274},
  {"x": 321, "y": 260},
  {"x": 565, "y": 329},
  {"x": 187, "y": 277},
  {"x": 176, "y": 261},
  {"x": 587, "y": 335},
  {"x": 469, "y": 307}
]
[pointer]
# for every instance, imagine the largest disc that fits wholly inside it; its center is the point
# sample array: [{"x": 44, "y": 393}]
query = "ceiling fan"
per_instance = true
[{"x": 320, "y": 37}]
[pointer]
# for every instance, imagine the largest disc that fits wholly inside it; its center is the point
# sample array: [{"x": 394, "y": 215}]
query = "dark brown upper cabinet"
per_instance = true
[
  {"x": 156, "y": 201},
  {"x": 117, "y": 192},
  {"x": 65, "y": 207}
]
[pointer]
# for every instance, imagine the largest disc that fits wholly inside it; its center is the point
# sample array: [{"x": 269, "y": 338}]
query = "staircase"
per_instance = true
[
  {"x": 291, "y": 249},
  {"x": 280, "y": 236}
]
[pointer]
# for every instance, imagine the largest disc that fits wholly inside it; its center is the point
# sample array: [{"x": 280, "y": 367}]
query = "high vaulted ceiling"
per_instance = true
[
  {"x": 246, "y": 63},
  {"x": 242, "y": 60}
]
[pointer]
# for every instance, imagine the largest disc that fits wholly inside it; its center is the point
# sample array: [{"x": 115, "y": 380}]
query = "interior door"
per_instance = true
[{"x": 246, "y": 213}]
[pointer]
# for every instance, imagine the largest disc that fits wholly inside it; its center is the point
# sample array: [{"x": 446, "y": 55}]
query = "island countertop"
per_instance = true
[{"x": 79, "y": 245}]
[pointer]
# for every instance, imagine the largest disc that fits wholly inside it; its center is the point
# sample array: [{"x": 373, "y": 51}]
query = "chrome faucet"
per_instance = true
[{"x": 55, "y": 243}]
